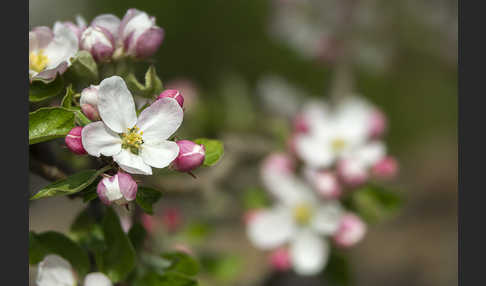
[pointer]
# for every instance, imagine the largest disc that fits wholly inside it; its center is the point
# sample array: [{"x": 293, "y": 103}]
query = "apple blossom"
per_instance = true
[
  {"x": 354, "y": 167},
  {"x": 324, "y": 182},
  {"x": 54, "y": 270},
  {"x": 385, "y": 168},
  {"x": 78, "y": 27},
  {"x": 351, "y": 230},
  {"x": 50, "y": 51},
  {"x": 74, "y": 142},
  {"x": 173, "y": 93},
  {"x": 99, "y": 42},
  {"x": 89, "y": 102},
  {"x": 120, "y": 189},
  {"x": 280, "y": 259},
  {"x": 138, "y": 34},
  {"x": 191, "y": 156},
  {"x": 136, "y": 144}
]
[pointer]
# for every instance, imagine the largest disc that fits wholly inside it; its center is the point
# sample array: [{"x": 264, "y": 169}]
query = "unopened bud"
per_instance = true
[
  {"x": 173, "y": 93},
  {"x": 386, "y": 168},
  {"x": 74, "y": 142},
  {"x": 301, "y": 124},
  {"x": 278, "y": 163},
  {"x": 89, "y": 102},
  {"x": 120, "y": 189},
  {"x": 99, "y": 42},
  {"x": 171, "y": 218},
  {"x": 378, "y": 123},
  {"x": 325, "y": 183},
  {"x": 191, "y": 156},
  {"x": 351, "y": 230},
  {"x": 280, "y": 259},
  {"x": 352, "y": 172}
]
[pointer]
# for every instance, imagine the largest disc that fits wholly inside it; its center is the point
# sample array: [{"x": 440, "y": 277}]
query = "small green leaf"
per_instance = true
[
  {"x": 48, "y": 123},
  {"x": 214, "y": 150},
  {"x": 83, "y": 70},
  {"x": 146, "y": 197},
  {"x": 196, "y": 232},
  {"x": 70, "y": 185},
  {"x": 374, "y": 203},
  {"x": 222, "y": 266},
  {"x": 67, "y": 100},
  {"x": 118, "y": 260},
  {"x": 40, "y": 90},
  {"x": 254, "y": 198},
  {"x": 36, "y": 249},
  {"x": 51, "y": 242},
  {"x": 152, "y": 87},
  {"x": 137, "y": 235},
  {"x": 181, "y": 263},
  {"x": 168, "y": 279}
]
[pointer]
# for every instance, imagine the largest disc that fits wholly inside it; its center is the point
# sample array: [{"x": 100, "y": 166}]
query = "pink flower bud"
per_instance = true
[
  {"x": 250, "y": 215},
  {"x": 351, "y": 230},
  {"x": 74, "y": 142},
  {"x": 120, "y": 188},
  {"x": 386, "y": 168},
  {"x": 187, "y": 88},
  {"x": 278, "y": 163},
  {"x": 139, "y": 35},
  {"x": 173, "y": 93},
  {"x": 300, "y": 124},
  {"x": 148, "y": 222},
  {"x": 191, "y": 156},
  {"x": 89, "y": 102},
  {"x": 378, "y": 123},
  {"x": 325, "y": 183},
  {"x": 99, "y": 42},
  {"x": 280, "y": 259},
  {"x": 172, "y": 219},
  {"x": 352, "y": 172}
]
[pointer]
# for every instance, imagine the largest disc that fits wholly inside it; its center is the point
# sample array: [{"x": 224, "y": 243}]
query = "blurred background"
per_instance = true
[{"x": 244, "y": 66}]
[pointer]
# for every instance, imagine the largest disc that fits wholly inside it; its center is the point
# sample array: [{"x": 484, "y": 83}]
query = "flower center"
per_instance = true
[
  {"x": 303, "y": 213},
  {"x": 338, "y": 144},
  {"x": 38, "y": 61},
  {"x": 132, "y": 140}
]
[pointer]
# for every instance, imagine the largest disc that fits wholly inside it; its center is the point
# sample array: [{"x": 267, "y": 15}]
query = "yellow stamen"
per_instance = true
[
  {"x": 38, "y": 61},
  {"x": 338, "y": 144},
  {"x": 132, "y": 140},
  {"x": 303, "y": 213}
]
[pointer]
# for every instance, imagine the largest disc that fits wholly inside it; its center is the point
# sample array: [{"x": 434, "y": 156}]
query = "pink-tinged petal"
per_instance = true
[
  {"x": 351, "y": 231},
  {"x": 132, "y": 163},
  {"x": 172, "y": 219},
  {"x": 271, "y": 228},
  {"x": 309, "y": 253},
  {"x": 128, "y": 186},
  {"x": 89, "y": 102},
  {"x": 62, "y": 48},
  {"x": 325, "y": 183},
  {"x": 51, "y": 74},
  {"x": 149, "y": 42},
  {"x": 99, "y": 42},
  {"x": 352, "y": 172},
  {"x": 378, "y": 123},
  {"x": 116, "y": 105},
  {"x": 108, "y": 190},
  {"x": 74, "y": 141},
  {"x": 39, "y": 38},
  {"x": 129, "y": 15},
  {"x": 159, "y": 154},
  {"x": 160, "y": 120},
  {"x": 148, "y": 222},
  {"x": 98, "y": 140},
  {"x": 278, "y": 163},
  {"x": 191, "y": 156},
  {"x": 108, "y": 21}
]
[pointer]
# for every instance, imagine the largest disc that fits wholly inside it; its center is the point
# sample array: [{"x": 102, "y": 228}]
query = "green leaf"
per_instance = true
[
  {"x": 338, "y": 270},
  {"x": 51, "y": 242},
  {"x": 83, "y": 70},
  {"x": 146, "y": 197},
  {"x": 118, "y": 260},
  {"x": 196, "y": 232},
  {"x": 70, "y": 185},
  {"x": 374, "y": 203},
  {"x": 168, "y": 279},
  {"x": 137, "y": 235},
  {"x": 67, "y": 100},
  {"x": 48, "y": 123},
  {"x": 222, "y": 267},
  {"x": 254, "y": 198},
  {"x": 40, "y": 90},
  {"x": 214, "y": 150},
  {"x": 152, "y": 87},
  {"x": 36, "y": 250},
  {"x": 181, "y": 263}
]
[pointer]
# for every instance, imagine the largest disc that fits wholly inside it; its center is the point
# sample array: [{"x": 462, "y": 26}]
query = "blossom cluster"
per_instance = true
[
  {"x": 334, "y": 150},
  {"x": 107, "y": 37}
]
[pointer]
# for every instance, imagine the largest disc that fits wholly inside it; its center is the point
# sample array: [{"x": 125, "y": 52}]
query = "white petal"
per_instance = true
[
  {"x": 62, "y": 47},
  {"x": 371, "y": 153},
  {"x": 98, "y": 139},
  {"x": 159, "y": 154},
  {"x": 132, "y": 163},
  {"x": 116, "y": 105},
  {"x": 97, "y": 279},
  {"x": 271, "y": 228},
  {"x": 137, "y": 25},
  {"x": 107, "y": 21},
  {"x": 160, "y": 120},
  {"x": 315, "y": 152},
  {"x": 286, "y": 188},
  {"x": 55, "y": 270},
  {"x": 309, "y": 253},
  {"x": 327, "y": 217}
]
